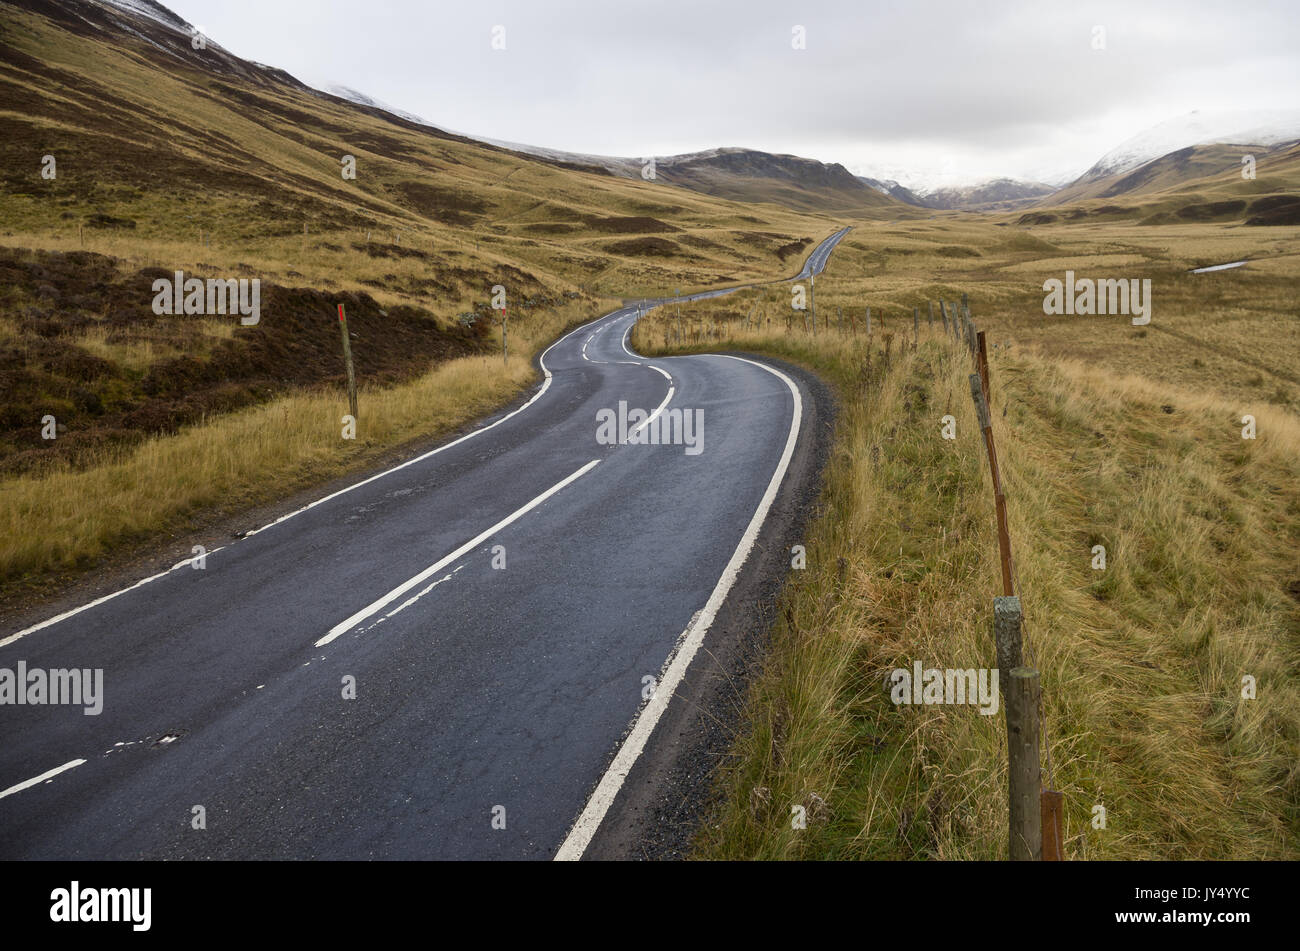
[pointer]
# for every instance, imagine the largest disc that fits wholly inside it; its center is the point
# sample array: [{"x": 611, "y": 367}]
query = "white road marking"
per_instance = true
[
  {"x": 546, "y": 383},
  {"x": 649, "y": 419},
  {"x": 344, "y": 626},
  {"x": 41, "y": 778},
  {"x": 98, "y": 601},
  {"x": 411, "y": 600},
  {"x": 580, "y": 835}
]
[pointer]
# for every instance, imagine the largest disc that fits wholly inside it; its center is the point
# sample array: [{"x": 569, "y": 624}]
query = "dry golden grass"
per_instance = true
[
  {"x": 1142, "y": 663},
  {"x": 245, "y": 458},
  {"x": 238, "y": 459}
]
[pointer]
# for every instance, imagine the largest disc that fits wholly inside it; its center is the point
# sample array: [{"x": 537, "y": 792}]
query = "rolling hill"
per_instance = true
[
  {"x": 156, "y": 141},
  {"x": 164, "y": 157},
  {"x": 1197, "y": 183}
]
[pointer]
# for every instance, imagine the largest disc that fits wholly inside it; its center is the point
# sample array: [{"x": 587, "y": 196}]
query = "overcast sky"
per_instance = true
[{"x": 924, "y": 92}]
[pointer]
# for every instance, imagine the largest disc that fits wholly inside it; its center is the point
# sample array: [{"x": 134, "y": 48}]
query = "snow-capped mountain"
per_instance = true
[
  {"x": 1254, "y": 127},
  {"x": 361, "y": 99},
  {"x": 993, "y": 194},
  {"x": 887, "y": 186}
]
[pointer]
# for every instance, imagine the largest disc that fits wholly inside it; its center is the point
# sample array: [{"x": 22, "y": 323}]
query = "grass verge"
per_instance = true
[
  {"x": 1142, "y": 663},
  {"x": 76, "y": 519}
]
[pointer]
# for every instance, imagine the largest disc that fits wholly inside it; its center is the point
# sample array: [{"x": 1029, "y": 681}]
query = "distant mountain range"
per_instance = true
[
  {"x": 807, "y": 184},
  {"x": 1000, "y": 194}
]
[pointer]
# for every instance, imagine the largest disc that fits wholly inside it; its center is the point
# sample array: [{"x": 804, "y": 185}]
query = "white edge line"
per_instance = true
[
  {"x": 651, "y": 418},
  {"x": 580, "y": 835},
  {"x": 41, "y": 778},
  {"x": 546, "y": 383},
  {"x": 344, "y": 626}
]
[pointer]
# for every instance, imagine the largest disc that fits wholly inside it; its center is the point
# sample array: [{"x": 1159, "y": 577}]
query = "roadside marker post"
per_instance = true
[
  {"x": 812, "y": 298},
  {"x": 347, "y": 358},
  {"x": 505, "y": 344}
]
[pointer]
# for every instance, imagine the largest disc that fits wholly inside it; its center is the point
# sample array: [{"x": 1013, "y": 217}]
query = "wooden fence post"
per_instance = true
[
  {"x": 347, "y": 357},
  {"x": 983, "y": 363},
  {"x": 999, "y": 500},
  {"x": 812, "y": 300},
  {"x": 1006, "y": 633},
  {"x": 1025, "y": 818},
  {"x": 1053, "y": 807}
]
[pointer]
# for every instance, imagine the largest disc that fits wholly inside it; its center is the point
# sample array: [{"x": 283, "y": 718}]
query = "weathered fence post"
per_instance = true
[
  {"x": 868, "y": 321},
  {"x": 347, "y": 358},
  {"x": 812, "y": 300},
  {"x": 505, "y": 343},
  {"x": 931, "y": 320},
  {"x": 1053, "y": 807},
  {"x": 943, "y": 312},
  {"x": 1025, "y": 812},
  {"x": 983, "y": 362},
  {"x": 999, "y": 500},
  {"x": 1006, "y": 633}
]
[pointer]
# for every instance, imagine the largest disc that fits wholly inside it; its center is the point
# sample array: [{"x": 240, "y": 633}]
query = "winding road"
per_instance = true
[{"x": 513, "y": 612}]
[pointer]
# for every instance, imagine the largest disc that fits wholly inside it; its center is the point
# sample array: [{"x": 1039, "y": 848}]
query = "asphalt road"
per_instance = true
[{"x": 485, "y": 696}]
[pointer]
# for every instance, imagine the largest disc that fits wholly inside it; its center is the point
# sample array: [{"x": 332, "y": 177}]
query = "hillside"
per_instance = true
[
  {"x": 1262, "y": 127},
  {"x": 167, "y": 157},
  {"x": 192, "y": 142},
  {"x": 738, "y": 174},
  {"x": 894, "y": 190},
  {"x": 1198, "y": 183},
  {"x": 1188, "y": 154},
  {"x": 750, "y": 175}
]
